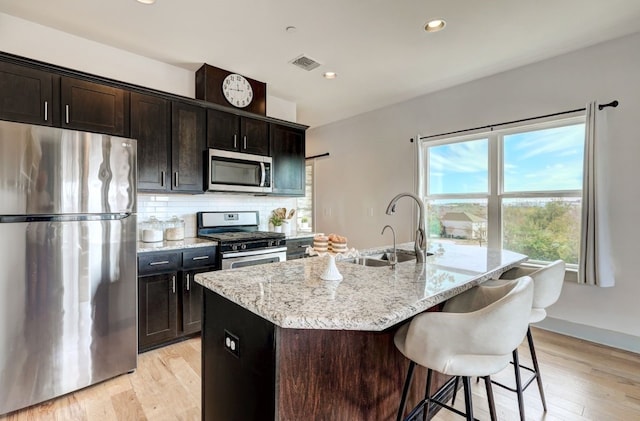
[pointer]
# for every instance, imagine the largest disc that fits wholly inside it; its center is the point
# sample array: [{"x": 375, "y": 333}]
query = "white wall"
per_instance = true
[
  {"x": 372, "y": 160},
  {"x": 31, "y": 40}
]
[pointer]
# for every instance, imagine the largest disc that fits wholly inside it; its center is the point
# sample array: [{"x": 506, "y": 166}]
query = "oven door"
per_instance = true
[
  {"x": 239, "y": 259},
  {"x": 239, "y": 172}
]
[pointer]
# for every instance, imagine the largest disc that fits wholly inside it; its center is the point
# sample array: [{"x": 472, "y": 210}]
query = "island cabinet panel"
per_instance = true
[
  {"x": 300, "y": 374},
  {"x": 237, "y": 385},
  {"x": 94, "y": 107},
  {"x": 151, "y": 126},
  {"x": 27, "y": 95}
]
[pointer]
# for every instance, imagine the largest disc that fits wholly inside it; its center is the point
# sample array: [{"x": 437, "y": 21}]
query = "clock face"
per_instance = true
[{"x": 237, "y": 90}]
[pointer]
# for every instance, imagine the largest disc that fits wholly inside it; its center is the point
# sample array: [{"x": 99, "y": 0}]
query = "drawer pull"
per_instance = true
[
  {"x": 162, "y": 262},
  {"x": 200, "y": 258}
]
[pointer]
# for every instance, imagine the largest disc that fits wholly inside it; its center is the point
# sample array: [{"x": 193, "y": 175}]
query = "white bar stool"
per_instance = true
[
  {"x": 547, "y": 286},
  {"x": 474, "y": 335}
]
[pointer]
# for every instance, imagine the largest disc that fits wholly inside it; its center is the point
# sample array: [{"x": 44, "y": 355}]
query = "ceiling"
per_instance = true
[{"x": 378, "y": 47}]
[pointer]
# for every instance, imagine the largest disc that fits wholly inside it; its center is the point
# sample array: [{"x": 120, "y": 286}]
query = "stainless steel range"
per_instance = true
[{"x": 240, "y": 242}]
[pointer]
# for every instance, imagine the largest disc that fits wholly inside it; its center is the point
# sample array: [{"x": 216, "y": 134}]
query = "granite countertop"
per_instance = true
[
  {"x": 292, "y": 295},
  {"x": 187, "y": 243}
]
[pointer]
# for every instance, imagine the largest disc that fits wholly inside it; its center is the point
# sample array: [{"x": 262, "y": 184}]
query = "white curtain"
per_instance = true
[{"x": 596, "y": 263}]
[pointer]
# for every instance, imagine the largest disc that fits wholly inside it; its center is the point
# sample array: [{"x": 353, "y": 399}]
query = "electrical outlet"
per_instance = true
[{"x": 232, "y": 343}]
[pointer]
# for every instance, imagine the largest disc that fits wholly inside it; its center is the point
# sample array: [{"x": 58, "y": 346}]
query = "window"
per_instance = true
[
  {"x": 304, "y": 204},
  {"x": 518, "y": 188}
]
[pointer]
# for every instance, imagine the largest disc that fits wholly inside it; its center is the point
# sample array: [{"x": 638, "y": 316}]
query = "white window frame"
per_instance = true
[{"x": 495, "y": 173}]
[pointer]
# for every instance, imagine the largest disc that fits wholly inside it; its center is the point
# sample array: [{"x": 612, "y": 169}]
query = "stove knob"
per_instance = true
[
  {"x": 243, "y": 246},
  {"x": 234, "y": 247},
  {"x": 278, "y": 242},
  {"x": 271, "y": 242}
]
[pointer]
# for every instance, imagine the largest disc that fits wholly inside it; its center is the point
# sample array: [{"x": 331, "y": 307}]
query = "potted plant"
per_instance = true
[
  {"x": 304, "y": 223},
  {"x": 276, "y": 221}
]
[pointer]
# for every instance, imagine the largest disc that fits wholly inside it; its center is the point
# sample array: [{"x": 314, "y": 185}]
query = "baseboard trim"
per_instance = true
[{"x": 592, "y": 334}]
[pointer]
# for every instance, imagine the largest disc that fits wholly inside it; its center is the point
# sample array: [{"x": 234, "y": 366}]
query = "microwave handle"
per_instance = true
[{"x": 264, "y": 174}]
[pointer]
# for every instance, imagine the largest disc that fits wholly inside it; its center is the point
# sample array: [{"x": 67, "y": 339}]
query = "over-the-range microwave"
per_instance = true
[{"x": 238, "y": 172}]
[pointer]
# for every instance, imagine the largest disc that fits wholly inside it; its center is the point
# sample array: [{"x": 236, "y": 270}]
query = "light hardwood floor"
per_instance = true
[{"x": 583, "y": 381}]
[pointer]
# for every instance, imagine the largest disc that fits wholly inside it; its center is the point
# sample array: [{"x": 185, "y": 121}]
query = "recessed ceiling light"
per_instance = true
[
  {"x": 435, "y": 25},
  {"x": 146, "y": 1},
  {"x": 330, "y": 75}
]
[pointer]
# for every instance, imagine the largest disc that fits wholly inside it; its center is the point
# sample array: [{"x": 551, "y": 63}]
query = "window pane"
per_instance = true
[
  {"x": 544, "y": 160},
  {"x": 458, "y": 221},
  {"x": 459, "y": 167},
  {"x": 544, "y": 229},
  {"x": 304, "y": 205}
]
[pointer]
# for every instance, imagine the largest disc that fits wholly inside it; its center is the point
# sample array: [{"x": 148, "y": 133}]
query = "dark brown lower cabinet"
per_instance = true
[
  {"x": 169, "y": 300},
  {"x": 157, "y": 307},
  {"x": 296, "y": 247}
]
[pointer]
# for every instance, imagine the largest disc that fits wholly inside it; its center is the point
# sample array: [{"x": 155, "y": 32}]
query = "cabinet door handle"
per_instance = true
[
  {"x": 188, "y": 282},
  {"x": 160, "y": 262},
  {"x": 162, "y": 178},
  {"x": 173, "y": 284},
  {"x": 245, "y": 141},
  {"x": 175, "y": 181},
  {"x": 235, "y": 141},
  {"x": 200, "y": 258},
  {"x": 66, "y": 113},
  {"x": 46, "y": 111}
]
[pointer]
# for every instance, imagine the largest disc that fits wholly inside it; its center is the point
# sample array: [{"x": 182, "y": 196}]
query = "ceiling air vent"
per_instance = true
[{"x": 305, "y": 63}]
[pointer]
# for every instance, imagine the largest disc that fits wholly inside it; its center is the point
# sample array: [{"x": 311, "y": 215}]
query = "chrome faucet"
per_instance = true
[
  {"x": 420, "y": 245},
  {"x": 393, "y": 258}
]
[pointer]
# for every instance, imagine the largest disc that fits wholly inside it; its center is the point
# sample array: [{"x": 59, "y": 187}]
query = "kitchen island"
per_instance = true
[{"x": 280, "y": 343}]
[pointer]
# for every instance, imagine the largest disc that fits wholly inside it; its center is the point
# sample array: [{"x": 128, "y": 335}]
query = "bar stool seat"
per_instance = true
[
  {"x": 474, "y": 335},
  {"x": 547, "y": 286}
]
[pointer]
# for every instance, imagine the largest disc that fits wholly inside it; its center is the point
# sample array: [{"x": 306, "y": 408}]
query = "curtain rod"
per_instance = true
[
  {"x": 318, "y": 156},
  {"x": 491, "y": 126}
]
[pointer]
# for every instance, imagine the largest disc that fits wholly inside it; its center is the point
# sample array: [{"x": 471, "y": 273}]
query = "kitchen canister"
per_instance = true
[
  {"x": 174, "y": 229},
  {"x": 151, "y": 230}
]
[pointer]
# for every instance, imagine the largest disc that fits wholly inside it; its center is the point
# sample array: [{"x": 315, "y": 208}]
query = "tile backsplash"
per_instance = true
[{"x": 185, "y": 206}]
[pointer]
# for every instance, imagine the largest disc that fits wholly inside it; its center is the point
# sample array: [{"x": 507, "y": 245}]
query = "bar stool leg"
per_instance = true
[
  {"x": 492, "y": 405},
  {"x": 467, "y": 398},
  {"x": 536, "y": 368},
  {"x": 405, "y": 391},
  {"x": 516, "y": 367},
  {"x": 427, "y": 395},
  {"x": 455, "y": 390}
]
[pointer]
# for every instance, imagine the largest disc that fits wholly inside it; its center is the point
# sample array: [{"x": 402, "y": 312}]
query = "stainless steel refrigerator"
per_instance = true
[{"x": 68, "y": 305}]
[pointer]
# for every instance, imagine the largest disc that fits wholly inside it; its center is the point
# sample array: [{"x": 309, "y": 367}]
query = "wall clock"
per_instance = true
[
  {"x": 237, "y": 90},
  {"x": 210, "y": 86}
]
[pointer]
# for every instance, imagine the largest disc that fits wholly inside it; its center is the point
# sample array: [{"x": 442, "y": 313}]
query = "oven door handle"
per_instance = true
[
  {"x": 232, "y": 254},
  {"x": 263, "y": 177}
]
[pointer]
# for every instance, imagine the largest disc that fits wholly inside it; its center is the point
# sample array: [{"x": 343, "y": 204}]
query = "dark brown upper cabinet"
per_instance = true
[
  {"x": 151, "y": 126},
  {"x": 287, "y": 151},
  {"x": 94, "y": 107},
  {"x": 27, "y": 95},
  {"x": 187, "y": 147},
  {"x": 236, "y": 133}
]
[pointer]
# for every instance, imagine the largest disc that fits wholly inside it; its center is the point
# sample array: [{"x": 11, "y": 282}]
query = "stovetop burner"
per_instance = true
[
  {"x": 233, "y": 236},
  {"x": 236, "y": 231}
]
